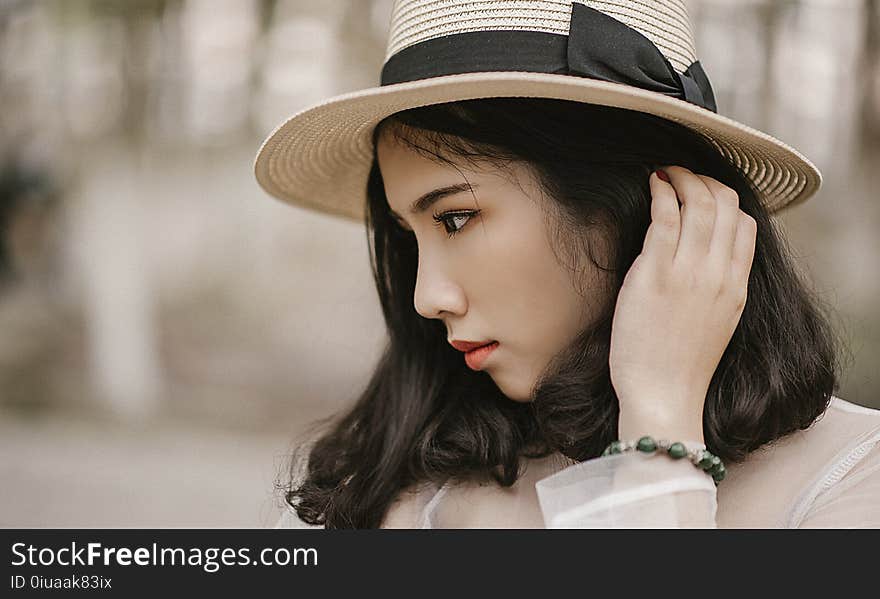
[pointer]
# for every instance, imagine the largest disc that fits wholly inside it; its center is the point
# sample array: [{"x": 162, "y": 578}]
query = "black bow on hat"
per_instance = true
[{"x": 597, "y": 47}]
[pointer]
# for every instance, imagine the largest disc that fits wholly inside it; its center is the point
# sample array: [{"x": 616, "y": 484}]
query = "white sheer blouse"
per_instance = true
[{"x": 827, "y": 476}]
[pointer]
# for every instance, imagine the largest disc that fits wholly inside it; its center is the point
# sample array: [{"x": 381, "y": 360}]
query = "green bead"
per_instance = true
[
  {"x": 718, "y": 473},
  {"x": 677, "y": 450},
  {"x": 614, "y": 447},
  {"x": 646, "y": 444},
  {"x": 709, "y": 462},
  {"x": 716, "y": 467}
]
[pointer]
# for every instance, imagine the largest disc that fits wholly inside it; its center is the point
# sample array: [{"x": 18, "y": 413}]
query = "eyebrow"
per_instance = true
[{"x": 432, "y": 197}]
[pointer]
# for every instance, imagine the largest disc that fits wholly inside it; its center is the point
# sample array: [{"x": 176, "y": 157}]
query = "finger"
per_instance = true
[
  {"x": 662, "y": 237},
  {"x": 743, "y": 249},
  {"x": 726, "y": 221},
  {"x": 697, "y": 214}
]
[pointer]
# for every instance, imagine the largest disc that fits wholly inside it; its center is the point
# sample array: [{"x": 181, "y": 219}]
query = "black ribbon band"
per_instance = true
[{"x": 597, "y": 47}]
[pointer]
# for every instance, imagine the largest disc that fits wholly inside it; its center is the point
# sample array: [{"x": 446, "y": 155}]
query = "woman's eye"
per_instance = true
[{"x": 454, "y": 222}]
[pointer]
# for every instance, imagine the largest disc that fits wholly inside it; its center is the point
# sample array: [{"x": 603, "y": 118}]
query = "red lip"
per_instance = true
[
  {"x": 476, "y": 357},
  {"x": 469, "y": 345}
]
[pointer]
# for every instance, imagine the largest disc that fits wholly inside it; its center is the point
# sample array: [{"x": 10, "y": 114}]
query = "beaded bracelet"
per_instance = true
[{"x": 701, "y": 458}]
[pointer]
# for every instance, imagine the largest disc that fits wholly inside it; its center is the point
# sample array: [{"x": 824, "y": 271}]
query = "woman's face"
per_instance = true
[{"x": 497, "y": 278}]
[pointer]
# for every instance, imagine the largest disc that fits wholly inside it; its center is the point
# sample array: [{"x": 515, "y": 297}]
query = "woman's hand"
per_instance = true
[{"x": 679, "y": 305}]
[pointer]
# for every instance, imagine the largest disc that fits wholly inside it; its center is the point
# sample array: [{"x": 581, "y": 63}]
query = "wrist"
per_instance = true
[{"x": 634, "y": 424}]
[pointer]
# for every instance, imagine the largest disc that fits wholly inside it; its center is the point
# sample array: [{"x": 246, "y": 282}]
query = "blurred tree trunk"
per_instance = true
[
  {"x": 119, "y": 291},
  {"x": 870, "y": 81}
]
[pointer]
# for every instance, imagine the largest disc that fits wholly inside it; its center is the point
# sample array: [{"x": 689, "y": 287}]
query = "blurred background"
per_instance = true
[{"x": 167, "y": 329}]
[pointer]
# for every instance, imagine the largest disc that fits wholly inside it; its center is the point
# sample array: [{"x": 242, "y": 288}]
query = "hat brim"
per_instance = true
[{"x": 320, "y": 157}]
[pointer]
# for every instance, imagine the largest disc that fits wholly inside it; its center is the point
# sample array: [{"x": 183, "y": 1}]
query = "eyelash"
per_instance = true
[{"x": 442, "y": 219}]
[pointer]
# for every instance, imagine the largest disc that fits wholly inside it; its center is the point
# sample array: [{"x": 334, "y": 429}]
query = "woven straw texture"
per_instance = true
[
  {"x": 320, "y": 157},
  {"x": 663, "y": 22}
]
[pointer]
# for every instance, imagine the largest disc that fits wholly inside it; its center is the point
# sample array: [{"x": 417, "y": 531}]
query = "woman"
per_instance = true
[{"x": 609, "y": 239}]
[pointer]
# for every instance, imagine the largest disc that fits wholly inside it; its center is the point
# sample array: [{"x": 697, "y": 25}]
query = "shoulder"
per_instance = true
[
  {"x": 843, "y": 424},
  {"x": 784, "y": 481},
  {"x": 850, "y": 436},
  {"x": 408, "y": 508},
  {"x": 841, "y": 406},
  {"x": 842, "y": 429}
]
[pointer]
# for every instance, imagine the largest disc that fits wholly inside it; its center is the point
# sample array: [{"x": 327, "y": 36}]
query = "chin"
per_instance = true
[{"x": 516, "y": 393}]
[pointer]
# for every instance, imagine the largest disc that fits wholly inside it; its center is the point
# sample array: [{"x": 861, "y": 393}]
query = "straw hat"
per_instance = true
[{"x": 632, "y": 54}]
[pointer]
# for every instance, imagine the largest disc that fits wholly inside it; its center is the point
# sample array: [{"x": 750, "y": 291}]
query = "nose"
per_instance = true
[{"x": 437, "y": 293}]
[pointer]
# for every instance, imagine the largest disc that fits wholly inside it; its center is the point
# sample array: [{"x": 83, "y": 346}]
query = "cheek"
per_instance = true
[
  {"x": 532, "y": 306},
  {"x": 548, "y": 301},
  {"x": 535, "y": 304}
]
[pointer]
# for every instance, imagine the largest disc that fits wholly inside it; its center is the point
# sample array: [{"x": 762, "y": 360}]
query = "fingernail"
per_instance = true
[{"x": 662, "y": 175}]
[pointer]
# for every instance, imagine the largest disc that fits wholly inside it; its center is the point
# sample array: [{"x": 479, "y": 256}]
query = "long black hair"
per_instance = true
[{"x": 424, "y": 416}]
